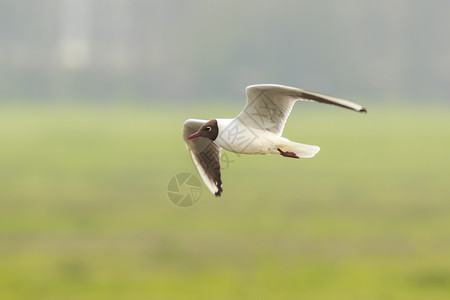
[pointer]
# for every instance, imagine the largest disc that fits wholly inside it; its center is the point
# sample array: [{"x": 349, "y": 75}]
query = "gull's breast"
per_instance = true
[{"x": 236, "y": 137}]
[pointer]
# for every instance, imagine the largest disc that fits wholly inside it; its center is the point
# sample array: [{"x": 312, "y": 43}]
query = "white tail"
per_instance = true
[{"x": 303, "y": 150}]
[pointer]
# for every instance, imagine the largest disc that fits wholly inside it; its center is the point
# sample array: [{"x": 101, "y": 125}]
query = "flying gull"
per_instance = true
[{"x": 256, "y": 130}]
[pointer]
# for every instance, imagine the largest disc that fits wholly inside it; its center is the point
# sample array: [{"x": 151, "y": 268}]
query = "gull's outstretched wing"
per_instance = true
[
  {"x": 269, "y": 105},
  {"x": 205, "y": 154}
]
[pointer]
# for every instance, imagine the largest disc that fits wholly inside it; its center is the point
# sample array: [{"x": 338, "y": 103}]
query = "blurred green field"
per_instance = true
[{"x": 84, "y": 212}]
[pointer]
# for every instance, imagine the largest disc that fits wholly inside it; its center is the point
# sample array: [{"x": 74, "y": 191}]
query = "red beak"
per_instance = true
[{"x": 194, "y": 135}]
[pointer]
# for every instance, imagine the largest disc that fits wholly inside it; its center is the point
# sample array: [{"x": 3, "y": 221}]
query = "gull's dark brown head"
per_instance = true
[{"x": 208, "y": 130}]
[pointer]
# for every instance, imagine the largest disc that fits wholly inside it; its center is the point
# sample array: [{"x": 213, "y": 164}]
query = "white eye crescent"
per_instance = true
[{"x": 208, "y": 128}]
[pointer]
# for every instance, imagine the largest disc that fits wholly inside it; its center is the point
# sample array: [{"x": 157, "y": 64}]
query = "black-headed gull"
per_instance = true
[{"x": 256, "y": 130}]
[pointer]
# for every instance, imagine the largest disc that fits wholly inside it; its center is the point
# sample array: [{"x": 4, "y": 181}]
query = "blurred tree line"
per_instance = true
[{"x": 183, "y": 50}]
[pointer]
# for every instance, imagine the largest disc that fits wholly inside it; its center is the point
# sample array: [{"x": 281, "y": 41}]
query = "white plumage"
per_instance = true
[{"x": 256, "y": 130}]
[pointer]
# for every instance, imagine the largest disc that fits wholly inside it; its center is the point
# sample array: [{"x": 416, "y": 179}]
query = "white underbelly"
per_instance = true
[{"x": 250, "y": 142}]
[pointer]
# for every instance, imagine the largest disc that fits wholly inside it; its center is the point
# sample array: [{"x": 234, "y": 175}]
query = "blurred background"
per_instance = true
[
  {"x": 186, "y": 50},
  {"x": 93, "y": 95}
]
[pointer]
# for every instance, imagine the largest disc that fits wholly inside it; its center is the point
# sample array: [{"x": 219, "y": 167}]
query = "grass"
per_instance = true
[{"x": 84, "y": 212}]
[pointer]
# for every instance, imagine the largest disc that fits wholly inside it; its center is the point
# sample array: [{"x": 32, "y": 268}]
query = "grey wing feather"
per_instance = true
[
  {"x": 205, "y": 154},
  {"x": 269, "y": 105}
]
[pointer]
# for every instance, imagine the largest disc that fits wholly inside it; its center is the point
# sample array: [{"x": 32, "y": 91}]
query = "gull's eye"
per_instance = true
[{"x": 208, "y": 128}]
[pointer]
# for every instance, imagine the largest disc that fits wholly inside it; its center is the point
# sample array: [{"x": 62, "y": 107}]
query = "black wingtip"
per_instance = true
[
  {"x": 363, "y": 110},
  {"x": 219, "y": 192}
]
